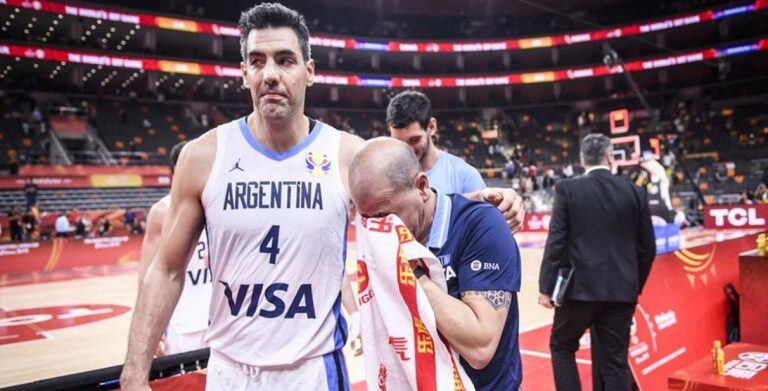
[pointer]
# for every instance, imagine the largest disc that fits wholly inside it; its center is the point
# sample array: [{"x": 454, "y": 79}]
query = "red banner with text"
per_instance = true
[
  {"x": 56, "y": 254},
  {"x": 537, "y": 222}
]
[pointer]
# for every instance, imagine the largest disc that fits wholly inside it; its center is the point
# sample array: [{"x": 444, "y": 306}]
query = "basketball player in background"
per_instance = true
[
  {"x": 272, "y": 191},
  {"x": 187, "y": 326}
]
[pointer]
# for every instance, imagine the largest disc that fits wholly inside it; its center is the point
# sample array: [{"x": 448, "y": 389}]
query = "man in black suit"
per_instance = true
[{"x": 601, "y": 227}]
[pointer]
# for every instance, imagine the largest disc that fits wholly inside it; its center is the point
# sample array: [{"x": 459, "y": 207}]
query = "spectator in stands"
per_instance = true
[
  {"x": 63, "y": 226},
  {"x": 74, "y": 215},
  {"x": 104, "y": 227},
  {"x": 82, "y": 227},
  {"x": 761, "y": 194},
  {"x": 568, "y": 171},
  {"x": 746, "y": 197},
  {"x": 549, "y": 180},
  {"x": 37, "y": 116},
  {"x": 13, "y": 165},
  {"x": 129, "y": 219},
  {"x": 30, "y": 193},
  {"x": 30, "y": 223},
  {"x": 14, "y": 222}
]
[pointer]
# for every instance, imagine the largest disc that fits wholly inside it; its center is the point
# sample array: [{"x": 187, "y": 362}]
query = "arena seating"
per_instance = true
[{"x": 86, "y": 199}]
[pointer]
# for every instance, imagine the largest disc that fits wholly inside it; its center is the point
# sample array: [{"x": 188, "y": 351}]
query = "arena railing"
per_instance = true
[
  {"x": 109, "y": 378},
  {"x": 43, "y": 53},
  {"x": 382, "y": 45}
]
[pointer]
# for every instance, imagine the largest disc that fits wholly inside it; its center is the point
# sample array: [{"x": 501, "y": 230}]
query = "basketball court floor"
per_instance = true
[{"x": 59, "y": 322}]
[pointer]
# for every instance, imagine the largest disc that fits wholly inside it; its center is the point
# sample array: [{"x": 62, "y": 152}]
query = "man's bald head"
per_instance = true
[
  {"x": 385, "y": 178},
  {"x": 383, "y": 163}
]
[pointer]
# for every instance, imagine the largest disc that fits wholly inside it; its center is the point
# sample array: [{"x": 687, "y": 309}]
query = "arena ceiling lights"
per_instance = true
[
  {"x": 220, "y": 70},
  {"x": 200, "y": 27}
]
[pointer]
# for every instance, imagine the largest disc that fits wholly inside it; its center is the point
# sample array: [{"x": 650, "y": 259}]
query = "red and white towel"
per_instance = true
[{"x": 401, "y": 345}]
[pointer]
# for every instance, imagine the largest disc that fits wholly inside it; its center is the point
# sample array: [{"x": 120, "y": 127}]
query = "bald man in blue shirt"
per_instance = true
[{"x": 478, "y": 316}]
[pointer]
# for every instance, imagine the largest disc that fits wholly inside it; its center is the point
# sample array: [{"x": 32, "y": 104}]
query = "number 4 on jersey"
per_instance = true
[{"x": 270, "y": 244}]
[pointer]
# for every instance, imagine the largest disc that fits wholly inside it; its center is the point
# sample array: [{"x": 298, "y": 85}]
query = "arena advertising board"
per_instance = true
[
  {"x": 736, "y": 216},
  {"x": 683, "y": 309},
  {"x": 142, "y": 64},
  {"x": 352, "y": 43}
]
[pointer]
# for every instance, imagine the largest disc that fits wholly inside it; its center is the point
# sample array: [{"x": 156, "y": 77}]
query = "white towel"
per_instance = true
[{"x": 401, "y": 345}]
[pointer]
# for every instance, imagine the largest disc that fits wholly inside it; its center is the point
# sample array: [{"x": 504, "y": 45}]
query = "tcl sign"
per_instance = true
[{"x": 736, "y": 216}]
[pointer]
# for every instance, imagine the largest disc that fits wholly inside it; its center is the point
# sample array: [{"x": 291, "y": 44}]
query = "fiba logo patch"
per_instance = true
[
  {"x": 476, "y": 265},
  {"x": 318, "y": 164}
]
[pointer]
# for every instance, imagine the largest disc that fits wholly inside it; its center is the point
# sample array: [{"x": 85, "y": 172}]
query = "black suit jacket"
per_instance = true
[{"x": 601, "y": 225}]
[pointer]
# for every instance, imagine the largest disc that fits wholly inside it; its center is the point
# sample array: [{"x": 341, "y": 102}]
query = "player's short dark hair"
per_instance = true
[
  {"x": 273, "y": 15},
  {"x": 408, "y": 107},
  {"x": 595, "y": 148},
  {"x": 174, "y": 155}
]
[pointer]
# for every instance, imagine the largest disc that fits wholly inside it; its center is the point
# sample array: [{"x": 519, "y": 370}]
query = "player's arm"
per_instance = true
[
  {"x": 473, "y": 325},
  {"x": 507, "y": 201},
  {"x": 155, "y": 217},
  {"x": 164, "y": 278},
  {"x": 350, "y": 143}
]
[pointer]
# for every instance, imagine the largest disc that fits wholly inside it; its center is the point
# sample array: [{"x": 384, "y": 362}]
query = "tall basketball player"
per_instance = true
[
  {"x": 186, "y": 329},
  {"x": 272, "y": 191}
]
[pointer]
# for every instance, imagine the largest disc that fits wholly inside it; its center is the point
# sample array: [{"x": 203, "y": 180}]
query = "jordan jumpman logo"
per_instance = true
[{"x": 236, "y": 166}]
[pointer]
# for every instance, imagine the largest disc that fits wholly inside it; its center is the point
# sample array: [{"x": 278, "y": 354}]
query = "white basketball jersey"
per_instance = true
[
  {"x": 191, "y": 313},
  {"x": 277, "y": 230}
]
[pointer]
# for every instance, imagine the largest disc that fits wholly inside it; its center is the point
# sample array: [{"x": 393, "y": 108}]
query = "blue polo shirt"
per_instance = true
[
  {"x": 478, "y": 253},
  {"x": 450, "y": 174}
]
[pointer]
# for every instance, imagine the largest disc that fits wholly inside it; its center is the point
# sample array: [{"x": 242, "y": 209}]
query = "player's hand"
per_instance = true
[
  {"x": 509, "y": 203},
  {"x": 162, "y": 347},
  {"x": 545, "y": 301},
  {"x": 355, "y": 339},
  {"x": 131, "y": 381}
]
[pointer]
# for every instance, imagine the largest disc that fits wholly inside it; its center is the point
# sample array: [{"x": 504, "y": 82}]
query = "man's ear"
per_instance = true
[
  {"x": 244, "y": 69},
  {"x": 310, "y": 72},
  {"x": 421, "y": 182},
  {"x": 432, "y": 127}
]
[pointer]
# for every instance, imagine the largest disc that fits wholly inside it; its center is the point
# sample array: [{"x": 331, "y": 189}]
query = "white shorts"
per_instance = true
[
  {"x": 328, "y": 372},
  {"x": 176, "y": 342}
]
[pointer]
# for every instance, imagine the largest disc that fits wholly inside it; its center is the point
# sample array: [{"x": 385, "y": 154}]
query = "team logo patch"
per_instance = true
[{"x": 318, "y": 164}]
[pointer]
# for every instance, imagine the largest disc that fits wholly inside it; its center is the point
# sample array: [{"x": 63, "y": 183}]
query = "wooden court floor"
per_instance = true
[{"x": 66, "y": 344}]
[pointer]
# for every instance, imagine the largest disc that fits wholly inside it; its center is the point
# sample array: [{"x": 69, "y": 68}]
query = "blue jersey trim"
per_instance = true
[
  {"x": 438, "y": 232},
  {"x": 208, "y": 243},
  {"x": 336, "y": 371},
  {"x": 278, "y": 156},
  {"x": 340, "y": 332}
]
